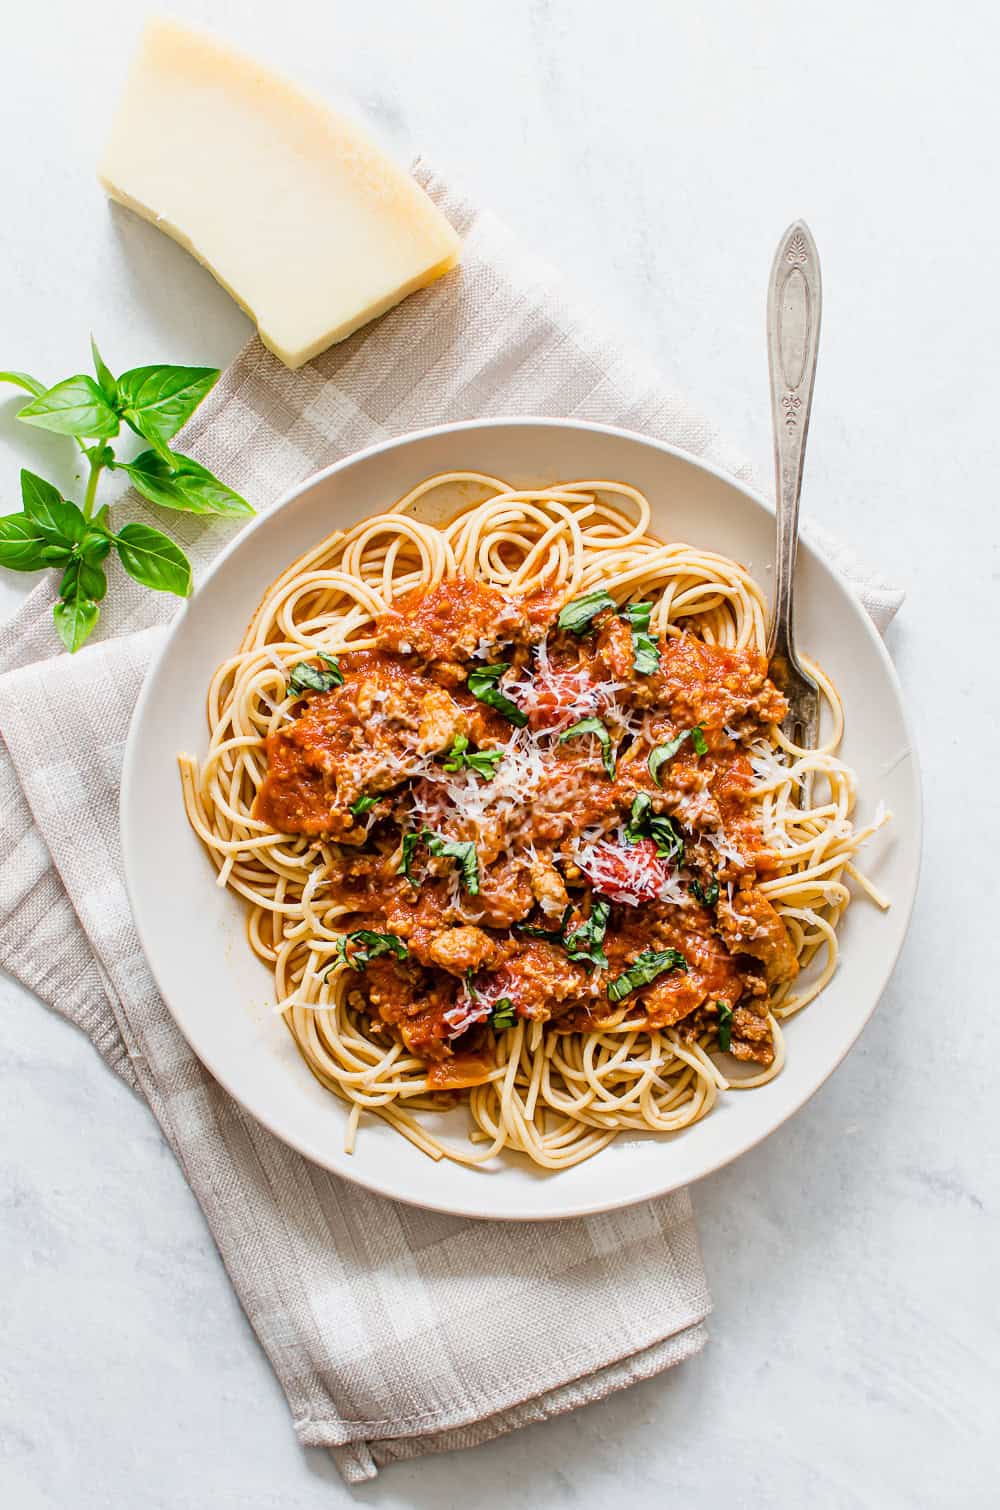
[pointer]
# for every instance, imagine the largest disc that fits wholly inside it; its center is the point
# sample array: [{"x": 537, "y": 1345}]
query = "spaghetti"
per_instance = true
[{"x": 519, "y": 747}]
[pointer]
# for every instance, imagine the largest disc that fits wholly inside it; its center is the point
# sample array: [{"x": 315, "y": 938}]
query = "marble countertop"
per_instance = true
[{"x": 656, "y": 153}]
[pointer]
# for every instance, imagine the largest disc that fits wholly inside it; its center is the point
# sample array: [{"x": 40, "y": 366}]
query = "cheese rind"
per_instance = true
[{"x": 293, "y": 208}]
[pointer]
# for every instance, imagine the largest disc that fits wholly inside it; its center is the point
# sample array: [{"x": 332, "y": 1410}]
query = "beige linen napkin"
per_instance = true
[{"x": 394, "y": 1331}]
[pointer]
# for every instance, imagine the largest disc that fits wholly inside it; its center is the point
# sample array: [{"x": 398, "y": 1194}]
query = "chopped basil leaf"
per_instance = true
[
  {"x": 581, "y": 612},
  {"x": 363, "y": 805},
  {"x": 554, "y": 935},
  {"x": 410, "y": 842},
  {"x": 644, "y": 969},
  {"x": 368, "y": 946},
  {"x": 485, "y": 762},
  {"x": 462, "y": 850},
  {"x": 725, "y": 1012},
  {"x": 637, "y": 826},
  {"x": 596, "y": 727},
  {"x": 584, "y": 942},
  {"x": 645, "y": 650},
  {"x": 709, "y": 894},
  {"x": 461, "y": 758},
  {"x": 638, "y": 615},
  {"x": 503, "y": 1015},
  {"x": 306, "y": 678},
  {"x": 663, "y": 753},
  {"x": 482, "y": 683},
  {"x": 669, "y": 844},
  {"x": 643, "y": 823}
]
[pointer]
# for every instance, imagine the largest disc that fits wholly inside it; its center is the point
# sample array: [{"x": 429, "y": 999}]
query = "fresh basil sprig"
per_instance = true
[
  {"x": 662, "y": 753},
  {"x": 645, "y": 650},
  {"x": 305, "y": 678},
  {"x": 55, "y": 531},
  {"x": 643, "y": 970},
  {"x": 597, "y": 728},
  {"x": 725, "y": 1012},
  {"x": 461, "y": 758},
  {"x": 482, "y": 683},
  {"x": 578, "y": 615}
]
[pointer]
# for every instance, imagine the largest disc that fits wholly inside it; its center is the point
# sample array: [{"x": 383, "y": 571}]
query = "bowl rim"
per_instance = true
[{"x": 902, "y": 905}]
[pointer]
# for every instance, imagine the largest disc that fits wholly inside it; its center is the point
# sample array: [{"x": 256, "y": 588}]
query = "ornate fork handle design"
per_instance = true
[{"x": 793, "y": 318}]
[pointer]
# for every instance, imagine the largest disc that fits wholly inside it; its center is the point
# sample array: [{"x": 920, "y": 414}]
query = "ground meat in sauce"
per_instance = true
[
  {"x": 448, "y": 623},
  {"x": 387, "y": 732}
]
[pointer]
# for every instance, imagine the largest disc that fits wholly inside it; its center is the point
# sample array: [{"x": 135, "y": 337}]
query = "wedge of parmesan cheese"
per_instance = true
[{"x": 294, "y": 209}]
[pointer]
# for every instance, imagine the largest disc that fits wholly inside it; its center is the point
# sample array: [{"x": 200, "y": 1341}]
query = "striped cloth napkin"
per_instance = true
[{"x": 385, "y": 1324}]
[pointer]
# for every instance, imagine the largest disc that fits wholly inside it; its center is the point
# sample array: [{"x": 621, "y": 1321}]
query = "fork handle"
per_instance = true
[{"x": 794, "y": 302}]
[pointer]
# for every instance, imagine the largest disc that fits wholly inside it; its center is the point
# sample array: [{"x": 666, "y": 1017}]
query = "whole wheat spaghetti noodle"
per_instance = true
[{"x": 508, "y": 892}]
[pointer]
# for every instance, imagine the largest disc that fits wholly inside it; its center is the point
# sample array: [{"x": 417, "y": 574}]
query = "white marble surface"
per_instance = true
[{"x": 656, "y": 151}]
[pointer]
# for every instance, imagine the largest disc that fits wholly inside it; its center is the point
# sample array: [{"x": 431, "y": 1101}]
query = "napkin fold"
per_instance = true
[{"x": 394, "y": 1331}]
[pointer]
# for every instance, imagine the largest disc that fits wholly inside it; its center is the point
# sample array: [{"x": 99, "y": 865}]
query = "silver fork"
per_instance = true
[{"x": 794, "y": 301}]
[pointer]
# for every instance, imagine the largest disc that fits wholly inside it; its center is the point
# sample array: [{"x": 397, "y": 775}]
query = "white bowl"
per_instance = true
[{"x": 193, "y": 933}]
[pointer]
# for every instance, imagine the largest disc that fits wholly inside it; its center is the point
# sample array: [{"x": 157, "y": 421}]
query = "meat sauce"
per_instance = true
[{"x": 523, "y": 888}]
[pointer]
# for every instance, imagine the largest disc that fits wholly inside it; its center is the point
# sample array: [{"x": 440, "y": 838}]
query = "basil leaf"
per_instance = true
[
  {"x": 485, "y": 762},
  {"x": 95, "y": 545},
  {"x": 363, "y": 805},
  {"x": 579, "y": 614},
  {"x": 305, "y": 678},
  {"x": 643, "y": 823},
  {"x": 157, "y": 400},
  {"x": 410, "y": 842},
  {"x": 23, "y": 380},
  {"x": 707, "y": 895},
  {"x": 482, "y": 683},
  {"x": 83, "y": 579},
  {"x": 669, "y": 843},
  {"x": 456, "y": 755},
  {"x": 461, "y": 758},
  {"x": 643, "y": 970},
  {"x": 153, "y": 559},
  {"x": 75, "y": 406},
  {"x": 638, "y": 615},
  {"x": 74, "y": 617},
  {"x": 638, "y": 819},
  {"x": 645, "y": 650},
  {"x": 178, "y": 482},
  {"x": 368, "y": 945},
  {"x": 503, "y": 1015},
  {"x": 663, "y": 753},
  {"x": 60, "y": 522},
  {"x": 596, "y": 727},
  {"x": 462, "y": 850},
  {"x": 725, "y": 1012},
  {"x": 105, "y": 379},
  {"x": 584, "y": 942},
  {"x": 21, "y": 543},
  {"x": 554, "y": 935}
]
